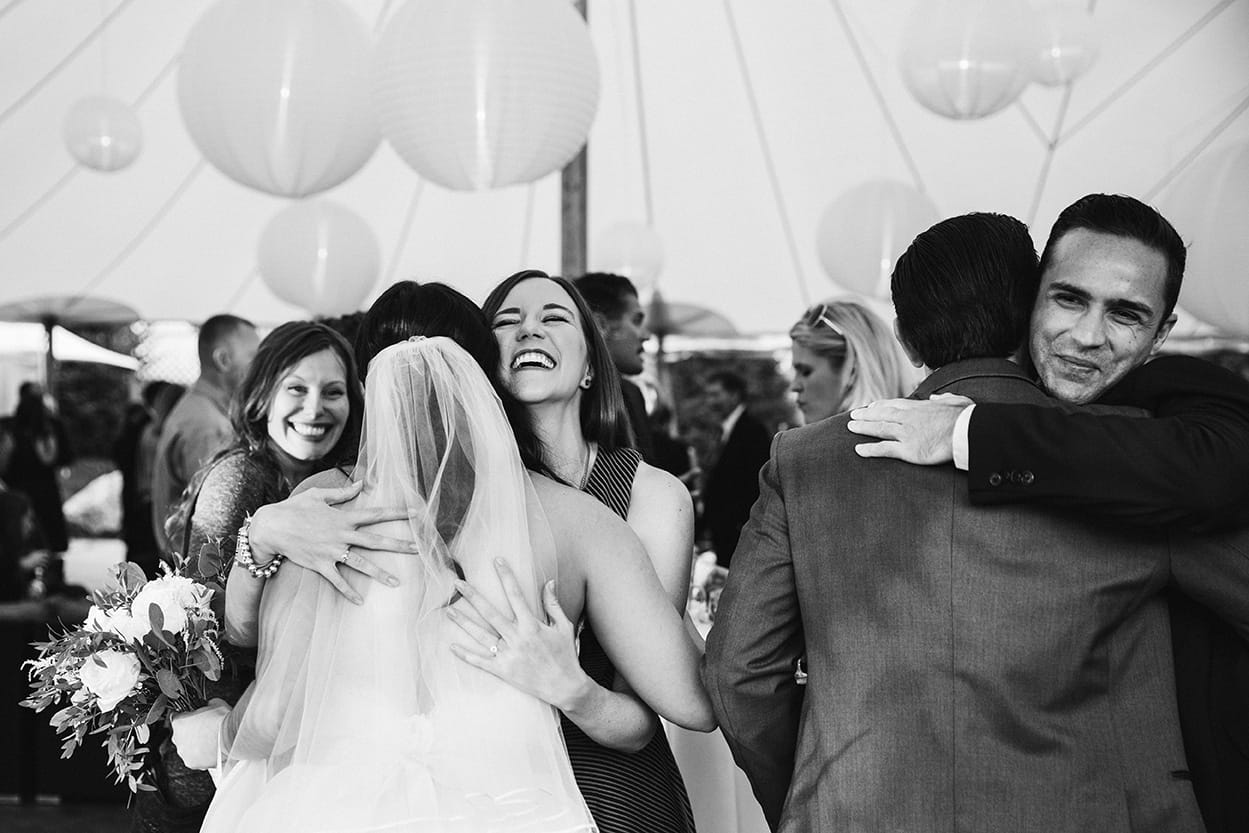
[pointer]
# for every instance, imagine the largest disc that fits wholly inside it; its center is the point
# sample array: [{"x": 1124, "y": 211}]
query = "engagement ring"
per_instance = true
[{"x": 346, "y": 554}]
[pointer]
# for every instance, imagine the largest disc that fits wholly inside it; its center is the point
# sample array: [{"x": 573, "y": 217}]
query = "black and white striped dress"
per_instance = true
[{"x": 639, "y": 792}]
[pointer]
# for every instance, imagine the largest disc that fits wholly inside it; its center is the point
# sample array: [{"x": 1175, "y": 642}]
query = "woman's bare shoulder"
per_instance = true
[
  {"x": 572, "y": 512},
  {"x": 655, "y": 490}
]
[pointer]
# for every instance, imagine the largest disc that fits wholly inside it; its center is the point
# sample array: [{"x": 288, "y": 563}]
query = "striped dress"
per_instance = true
[{"x": 639, "y": 792}]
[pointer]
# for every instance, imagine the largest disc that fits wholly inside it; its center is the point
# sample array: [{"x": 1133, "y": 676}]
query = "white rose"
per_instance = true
[
  {"x": 112, "y": 682},
  {"x": 187, "y": 592},
  {"x": 98, "y": 619},
  {"x": 163, "y": 596},
  {"x": 127, "y": 627}
]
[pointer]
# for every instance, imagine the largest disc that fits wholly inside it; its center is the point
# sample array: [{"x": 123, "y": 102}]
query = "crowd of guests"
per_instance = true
[{"x": 899, "y": 645}]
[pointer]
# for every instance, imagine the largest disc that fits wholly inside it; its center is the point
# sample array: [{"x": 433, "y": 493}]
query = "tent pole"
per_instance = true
[
  {"x": 49, "y": 361},
  {"x": 573, "y": 182}
]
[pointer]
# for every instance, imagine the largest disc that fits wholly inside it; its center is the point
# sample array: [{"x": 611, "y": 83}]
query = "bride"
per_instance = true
[{"x": 361, "y": 716}]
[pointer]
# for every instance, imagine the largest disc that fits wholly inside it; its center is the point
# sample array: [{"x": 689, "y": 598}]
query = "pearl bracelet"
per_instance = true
[{"x": 243, "y": 554}]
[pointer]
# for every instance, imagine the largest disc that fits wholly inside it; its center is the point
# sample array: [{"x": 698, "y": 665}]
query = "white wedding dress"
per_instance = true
[{"x": 361, "y": 718}]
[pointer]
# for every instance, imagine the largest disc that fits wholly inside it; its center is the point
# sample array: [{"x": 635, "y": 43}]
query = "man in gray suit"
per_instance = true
[{"x": 969, "y": 669}]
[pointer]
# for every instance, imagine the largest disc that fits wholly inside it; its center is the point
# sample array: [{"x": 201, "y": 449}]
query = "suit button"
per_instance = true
[
  {"x": 1027, "y": 477},
  {"x": 995, "y": 479}
]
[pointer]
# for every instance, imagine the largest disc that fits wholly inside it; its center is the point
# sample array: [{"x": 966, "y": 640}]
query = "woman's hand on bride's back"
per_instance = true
[
  {"x": 539, "y": 658},
  {"x": 312, "y": 530}
]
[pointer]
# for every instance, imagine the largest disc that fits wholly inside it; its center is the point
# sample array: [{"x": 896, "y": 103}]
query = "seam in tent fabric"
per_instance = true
[
  {"x": 64, "y": 62},
  {"x": 75, "y": 168},
  {"x": 769, "y": 164},
  {"x": 1196, "y": 151},
  {"x": 148, "y": 228},
  {"x": 870, "y": 78},
  {"x": 1051, "y": 149},
  {"x": 1149, "y": 67}
]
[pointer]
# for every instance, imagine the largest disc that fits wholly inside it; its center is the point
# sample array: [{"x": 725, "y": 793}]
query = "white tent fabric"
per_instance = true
[{"x": 757, "y": 115}]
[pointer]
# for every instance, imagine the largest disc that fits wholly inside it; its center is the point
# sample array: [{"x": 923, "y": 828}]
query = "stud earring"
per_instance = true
[{"x": 585, "y": 381}]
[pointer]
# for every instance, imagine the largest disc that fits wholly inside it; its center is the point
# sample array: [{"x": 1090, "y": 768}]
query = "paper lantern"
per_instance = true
[
  {"x": 1066, "y": 43},
  {"x": 630, "y": 249},
  {"x": 275, "y": 93},
  {"x": 862, "y": 233},
  {"x": 1209, "y": 207},
  {"x": 966, "y": 59},
  {"x": 320, "y": 256},
  {"x": 478, "y": 94},
  {"x": 103, "y": 133}
]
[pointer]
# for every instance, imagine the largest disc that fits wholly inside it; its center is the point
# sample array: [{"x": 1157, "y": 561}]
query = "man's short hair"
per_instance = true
[
  {"x": 1124, "y": 216},
  {"x": 606, "y": 293},
  {"x": 216, "y": 330},
  {"x": 964, "y": 289},
  {"x": 730, "y": 381}
]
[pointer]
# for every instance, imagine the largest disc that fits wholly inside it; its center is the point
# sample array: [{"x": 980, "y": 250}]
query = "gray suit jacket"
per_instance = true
[{"x": 970, "y": 669}]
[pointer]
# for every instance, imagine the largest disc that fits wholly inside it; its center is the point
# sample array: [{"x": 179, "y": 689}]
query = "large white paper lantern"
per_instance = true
[
  {"x": 863, "y": 232},
  {"x": 1209, "y": 207},
  {"x": 1066, "y": 42},
  {"x": 630, "y": 249},
  {"x": 477, "y": 94},
  {"x": 320, "y": 256},
  {"x": 103, "y": 133},
  {"x": 275, "y": 93},
  {"x": 966, "y": 59}
]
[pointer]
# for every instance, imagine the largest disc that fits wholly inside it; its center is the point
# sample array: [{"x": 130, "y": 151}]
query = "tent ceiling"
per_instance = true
[{"x": 176, "y": 239}]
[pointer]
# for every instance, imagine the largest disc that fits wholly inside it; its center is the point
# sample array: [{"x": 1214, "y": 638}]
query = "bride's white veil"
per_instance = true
[{"x": 361, "y": 718}]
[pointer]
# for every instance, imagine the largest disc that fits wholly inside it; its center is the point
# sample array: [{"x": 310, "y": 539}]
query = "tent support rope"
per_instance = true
[
  {"x": 762, "y": 135},
  {"x": 64, "y": 62}
]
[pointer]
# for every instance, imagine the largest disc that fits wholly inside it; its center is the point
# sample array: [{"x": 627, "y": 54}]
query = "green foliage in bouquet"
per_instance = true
[{"x": 147, "y": 650}]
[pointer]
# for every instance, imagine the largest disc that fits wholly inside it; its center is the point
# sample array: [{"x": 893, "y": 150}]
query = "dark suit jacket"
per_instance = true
[
  {"x": 635, "y": 407},
  {"x": 733, "y": 484},
  {"x": 1188, "y": 466},
  {"x": 969, "y": 669}
]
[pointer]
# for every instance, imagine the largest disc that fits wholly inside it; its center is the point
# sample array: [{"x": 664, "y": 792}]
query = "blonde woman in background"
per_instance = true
[{"x": 845, "y": 356}]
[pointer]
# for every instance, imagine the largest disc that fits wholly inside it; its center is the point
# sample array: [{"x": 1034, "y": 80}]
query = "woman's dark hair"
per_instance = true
[
  {"x": 603, "y": 417},
  {"x": 280, "y": 351},
  {"x": 409, "y": 309}
]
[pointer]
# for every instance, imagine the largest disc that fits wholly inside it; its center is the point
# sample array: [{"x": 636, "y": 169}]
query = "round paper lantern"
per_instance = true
[
  {"x": 966, "y": 59},
  {"x": 1209, "y": 207},
  {"x": 320, "y": 256},
  {"x": 1066, "y": 45},
  {"x": 478, "y": 94},
  {"x": 630, "y": 249},
  {"x": 862, "y": 233},
  {"x": 275, "y": 93},
  {"x": 103, "y": 133}
]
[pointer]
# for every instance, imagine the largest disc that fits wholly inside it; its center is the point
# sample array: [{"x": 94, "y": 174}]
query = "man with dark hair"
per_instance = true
[
  {"x": 733, "y": 482},
  {"x": 967, "y": 668},
  {"x": 1111, "y": 274},
  {"x": 199, "y": 424},
  {"x": 620, "y": 318}
]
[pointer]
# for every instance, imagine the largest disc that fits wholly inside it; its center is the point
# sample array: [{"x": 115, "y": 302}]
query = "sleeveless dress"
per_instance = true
[{"x": 627, "y": 792}]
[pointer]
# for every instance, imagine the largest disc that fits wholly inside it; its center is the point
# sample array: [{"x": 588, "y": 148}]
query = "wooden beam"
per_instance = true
[{"x": 574, "y": 182}]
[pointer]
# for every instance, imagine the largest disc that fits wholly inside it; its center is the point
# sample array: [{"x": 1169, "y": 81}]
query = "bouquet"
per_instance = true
[{"x": 147, "y": 650}]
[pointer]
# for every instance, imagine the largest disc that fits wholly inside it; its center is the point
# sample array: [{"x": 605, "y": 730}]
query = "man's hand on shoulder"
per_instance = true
[{"x": 913, "y": 430}]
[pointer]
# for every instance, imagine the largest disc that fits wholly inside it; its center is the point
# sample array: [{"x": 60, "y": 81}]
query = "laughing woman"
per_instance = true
[
  {"x": 297, "y": 412},
  {"x": 554, "y": 361}
]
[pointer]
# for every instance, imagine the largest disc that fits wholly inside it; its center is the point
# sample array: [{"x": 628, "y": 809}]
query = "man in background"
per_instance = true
[
  {"x": 733, "y": 482},
  {"x": 199, "y": 425},
  {"x": 620, "y": 318}
]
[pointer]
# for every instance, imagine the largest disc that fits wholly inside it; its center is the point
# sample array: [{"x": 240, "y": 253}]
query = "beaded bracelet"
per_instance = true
[{"x": 243, "y": 554}]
